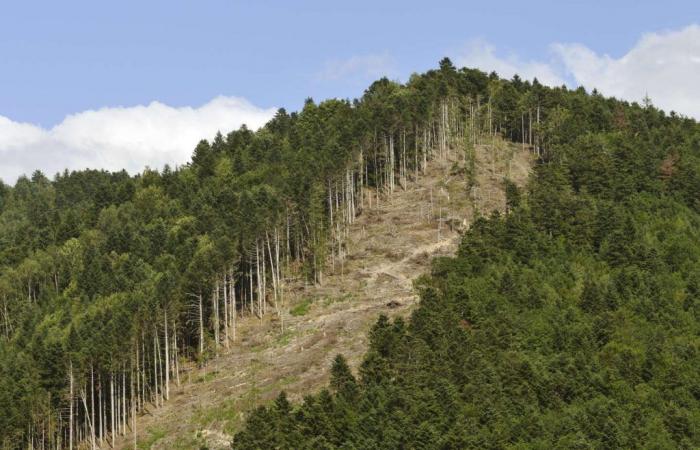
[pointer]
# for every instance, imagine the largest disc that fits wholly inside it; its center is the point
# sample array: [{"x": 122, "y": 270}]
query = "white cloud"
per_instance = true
[
  {"x": 664, "y": 65},
  {"x": 120, "y": 138},
  {"x": 362, "y": 66},
  {"x": 478, "y": 53}
]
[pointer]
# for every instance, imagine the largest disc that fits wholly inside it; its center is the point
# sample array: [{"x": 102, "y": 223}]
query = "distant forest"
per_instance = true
[{"x": 571, "y": 321}]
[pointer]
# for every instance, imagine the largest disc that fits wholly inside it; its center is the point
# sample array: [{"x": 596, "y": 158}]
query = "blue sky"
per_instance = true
[
  {"x": 64, "y": 57},
  {"x": 59, "y": 59}
]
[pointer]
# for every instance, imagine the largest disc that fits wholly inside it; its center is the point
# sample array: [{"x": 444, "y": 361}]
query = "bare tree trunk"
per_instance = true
[
  {"x": 176, "y": 355},
  {"x": 83, "y": 397},
  {"x": 215, "y": 308},
  {"x": 415, "y": 152},
  {"x": 167, "y": 356},
  {"x": 133, "y": 405},
  {"x": 144, "y": 370},
  {"x": 227, "y": 318},
  {"x": 70, "y": 414},
  {"x": 537, "y": 138},
  {"x": 101, "y": 408},
  {"x": 264, "y": 278},
  {"x": 123, "y": 401},
  {"x": 138, "y": 377},
  {"x": 391, "y": 162},
  {"x": 234, "y": 311},
  {"x": 279, "y": 276},
  {"x": 330, "y": 202},
  {"x": 362, "y": 172},
  {"x": 250, "y": 279},
  {"x": 113, "y": 417},
  {"x": 155, "y": 366},
  {"x": 259, "y": 281},
  {"x": 272, "y": 271},
  {"x": 201, "y": 326},
  {"x": 425, "y": 149},
  {"x": 92, "y": 404},
  {"x": 288, "y": 240}
]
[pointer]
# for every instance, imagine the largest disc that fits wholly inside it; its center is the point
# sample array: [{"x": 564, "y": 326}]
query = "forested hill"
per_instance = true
[{"x": 572, "y": 320}]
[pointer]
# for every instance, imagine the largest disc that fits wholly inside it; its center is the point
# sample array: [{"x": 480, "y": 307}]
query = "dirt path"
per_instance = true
[{"x": 389, "y": 245}]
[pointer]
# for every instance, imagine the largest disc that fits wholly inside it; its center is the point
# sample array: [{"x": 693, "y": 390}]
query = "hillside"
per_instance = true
[
  {"x": 178, "y": 300},
  {"x": 388, "y": 247},
  {"x": 569, "y": 322}
]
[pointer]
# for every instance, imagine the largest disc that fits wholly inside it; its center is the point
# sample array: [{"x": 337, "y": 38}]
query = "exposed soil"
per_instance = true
[{"x": 389, "y": 245}]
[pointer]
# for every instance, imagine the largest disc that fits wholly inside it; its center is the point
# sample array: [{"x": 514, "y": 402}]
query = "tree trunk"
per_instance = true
[
  {"x": 113, "y": 417},
  {"x": 92, "y": 404},
  {"x": 100, "y": 407},
  {"x": 83, "y": 396},
  {"x": 138, "y": 377},
  {"x": 227, "y": 318},
  {"x": 272, "y": 271},
  {"x": 167, "y": 356},
  {"x": 201, "y": 326},
  {"x": 250, "y": 279},
  {"x": 70, "y": 413},
  {"x": 155, "y": 366},
  {"x": 133, "y": 405},
  {"x": 123, "y": 401},
  {"x": 176, "y": 355},
  {"x": 234, "y": 311},
  {"x": 215, "y": 308},
  {"x": 257, "y": 273}
]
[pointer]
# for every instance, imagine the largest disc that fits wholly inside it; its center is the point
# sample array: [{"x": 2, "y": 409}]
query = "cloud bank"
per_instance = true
[
  {"x": 664, "y": 65},
  {"x": 118, "y": 138}
]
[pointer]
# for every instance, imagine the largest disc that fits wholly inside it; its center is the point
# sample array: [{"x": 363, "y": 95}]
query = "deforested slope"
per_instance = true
[
  {"x": 112, "y": 284},
  {"x": 387, "y": 248}
]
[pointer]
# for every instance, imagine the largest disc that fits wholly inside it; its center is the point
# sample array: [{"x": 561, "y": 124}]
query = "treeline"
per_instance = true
[
  {"x": 570, "y": 322},
  {"x": 109, "y": 282}
]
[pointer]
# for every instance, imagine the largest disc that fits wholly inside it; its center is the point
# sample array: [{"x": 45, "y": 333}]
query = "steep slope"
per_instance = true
[{"x": 389, "y": 245}]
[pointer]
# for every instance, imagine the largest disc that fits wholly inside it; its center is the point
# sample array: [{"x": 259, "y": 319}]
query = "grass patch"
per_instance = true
[
  {"x": 340, "y": 298},
  {"x": 285, "y": 338},
  {"x": 154, "y": 435},
  {"x": 229, "y": 413},
  {"x": 207, "y": 377},
  {"x": 196, "y": 442},
  {"x": 301, "y": 308}
]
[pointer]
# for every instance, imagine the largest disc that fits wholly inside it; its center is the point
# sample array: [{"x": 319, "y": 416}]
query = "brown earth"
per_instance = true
[{"x": 388, "y": 246}]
